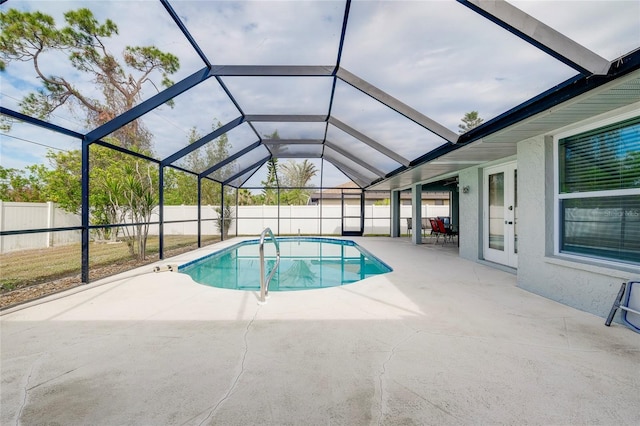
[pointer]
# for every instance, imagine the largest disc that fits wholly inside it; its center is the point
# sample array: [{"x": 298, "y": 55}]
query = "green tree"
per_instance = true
[
  {"x": 246, "y": 198},
  {"x": 383, "y": 202},
  {"x": 63, "y": 179},
  {"x": 469, "y": 121},
  {"x": 21, "y": 185},
  {"x": 182, "y": 188},
  {"x": 29, "y": 36},
  {"x": 297, "y": 176},
  {"x": 270, "y": 185},
  {"x": 139, "y": 195},
  {"x": 224, "y": 219}
]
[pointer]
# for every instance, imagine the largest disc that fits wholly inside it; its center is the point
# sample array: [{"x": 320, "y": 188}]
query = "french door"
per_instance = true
[{"x": 501, "y": 214}]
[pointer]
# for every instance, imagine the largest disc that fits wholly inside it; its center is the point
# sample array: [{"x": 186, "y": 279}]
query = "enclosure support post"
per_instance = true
[
  {"x": 1, "y": 226},
  {"x": 221, "y": 221},
  {"x": 362, "y": 195},
  {"x": 395, "y": 214},
  {"x": 454, "y": 202},
  {"x": 50, "y": 223},
  {"x": 199, "y": 212},
  {"x": 236, "y": 209},
  {"x": 342, "y": 212},
  {"x": 278, "y": 193},
  {"x": 416, "y": 213},
  {"x": 160, "y": 211},
  {"x": 85, "y": 213}
]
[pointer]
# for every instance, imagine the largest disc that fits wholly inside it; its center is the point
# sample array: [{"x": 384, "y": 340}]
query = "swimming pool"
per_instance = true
[{"x": 305, "y": 263}]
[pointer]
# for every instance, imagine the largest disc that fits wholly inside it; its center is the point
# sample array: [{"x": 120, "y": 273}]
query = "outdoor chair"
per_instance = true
[
  {"x": 630, "y": 306},
  {"x": 425, "y": 226},
  {"x": 447, "y": 233},
  {"x": 409, "y": 226},
  {"x": 434, "y": 229}
]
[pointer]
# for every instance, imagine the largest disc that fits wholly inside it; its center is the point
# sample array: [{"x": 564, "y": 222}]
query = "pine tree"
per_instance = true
[{"x": 469, "y": 121}]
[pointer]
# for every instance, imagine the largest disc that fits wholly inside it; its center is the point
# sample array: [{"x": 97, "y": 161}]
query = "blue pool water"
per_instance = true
[{"x": 305, "y": 263}]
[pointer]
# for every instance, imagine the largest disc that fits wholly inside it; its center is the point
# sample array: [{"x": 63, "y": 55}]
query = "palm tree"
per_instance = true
[
  {"x": 269, "y": 192},
  {"x": 245, "y": 198},
  {"x": 297, "y": 176}
]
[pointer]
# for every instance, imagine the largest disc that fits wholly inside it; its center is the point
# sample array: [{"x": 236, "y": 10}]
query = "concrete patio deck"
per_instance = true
[{"x": 440, "y": 340}]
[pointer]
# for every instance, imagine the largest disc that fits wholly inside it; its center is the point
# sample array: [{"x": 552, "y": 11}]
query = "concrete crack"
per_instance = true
[
  {"x": 384, "y": 370},
  {"x": 26, "y": 389},
  {"x": 566, "y": 332},
  {"x": 53, "y": 378},
  {"x": 237, "y": 378}
]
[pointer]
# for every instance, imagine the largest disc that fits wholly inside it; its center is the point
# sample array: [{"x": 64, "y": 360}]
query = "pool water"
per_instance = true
[{"x": 305, "y": 263}]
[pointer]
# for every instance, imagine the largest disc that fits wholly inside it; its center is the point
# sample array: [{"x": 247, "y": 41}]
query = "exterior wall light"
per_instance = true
[{"x": 466, "y": 189}]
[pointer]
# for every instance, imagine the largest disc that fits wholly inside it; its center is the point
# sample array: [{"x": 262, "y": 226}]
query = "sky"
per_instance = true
[{"x": 439, "y": 57}]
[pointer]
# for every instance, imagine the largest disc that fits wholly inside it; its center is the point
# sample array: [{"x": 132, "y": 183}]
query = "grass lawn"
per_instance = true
[{"x": 25, "y": 268}]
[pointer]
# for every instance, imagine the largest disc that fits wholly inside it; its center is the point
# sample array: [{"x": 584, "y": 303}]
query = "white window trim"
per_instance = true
[{"x": 556, "y": 184}]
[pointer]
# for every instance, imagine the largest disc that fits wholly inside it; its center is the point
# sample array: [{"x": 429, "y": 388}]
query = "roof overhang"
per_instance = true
[{"x": 545, "y": 115}]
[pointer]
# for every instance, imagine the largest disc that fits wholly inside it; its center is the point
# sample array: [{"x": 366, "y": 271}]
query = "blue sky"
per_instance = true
[{"x": 439, "y": 57}]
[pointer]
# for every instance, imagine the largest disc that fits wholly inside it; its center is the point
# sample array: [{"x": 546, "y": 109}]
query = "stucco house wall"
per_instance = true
[
  {"x": 584, "y": 284},
  {"x": 470, "y": 226}
]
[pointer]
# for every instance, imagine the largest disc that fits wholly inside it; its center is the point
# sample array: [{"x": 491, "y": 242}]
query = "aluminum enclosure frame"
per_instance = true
[{"x": 593, "y": 71}]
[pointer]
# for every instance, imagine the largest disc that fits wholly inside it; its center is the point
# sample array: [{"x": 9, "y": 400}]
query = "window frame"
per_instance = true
[{"x": 558, "y": 197}]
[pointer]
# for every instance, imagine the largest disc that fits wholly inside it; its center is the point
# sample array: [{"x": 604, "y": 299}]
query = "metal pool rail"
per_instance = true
[{"x": 264, "y": 284}]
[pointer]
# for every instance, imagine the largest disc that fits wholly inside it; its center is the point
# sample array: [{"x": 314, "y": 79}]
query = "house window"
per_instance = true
[{"x": 599, "y": 193}]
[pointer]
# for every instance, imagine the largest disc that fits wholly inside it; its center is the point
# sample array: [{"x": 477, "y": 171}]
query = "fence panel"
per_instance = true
[
  {"x": 21, "y": 216},
  {"x": 251, "y": 220}
]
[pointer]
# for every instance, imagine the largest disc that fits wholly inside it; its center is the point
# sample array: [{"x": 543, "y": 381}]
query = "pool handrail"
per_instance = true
[{"x": 264, "y": 284}]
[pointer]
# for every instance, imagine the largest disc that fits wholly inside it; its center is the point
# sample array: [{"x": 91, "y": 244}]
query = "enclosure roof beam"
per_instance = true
[
  {"x": 396, "y": 105},
  {"x": 229, "y": 159},
  {"x": 292, "y": 141},
  {"x": 283, "y": 118},
  {"x": 203, "y": 140},
  {"x": 272, "y": 70},
  {"x": 367, "y": 140},
  {"x": 127, "y": 151},
  {"x": 540, "y": 35},
  {"x": 345, "y": 21},
  {"x": 148, "y": 105},
  {"x": 40, "y": 123},
  {"x": 189, "y": 172},
  {"x": 249, "y": 177},
  {"x": 299, "y": 155},
  {"x": 354, "y": 176},
  {"x": 185, "y": 31},
  {"x": 245, "y": 170},
  {"x": 355, "y": 159}
]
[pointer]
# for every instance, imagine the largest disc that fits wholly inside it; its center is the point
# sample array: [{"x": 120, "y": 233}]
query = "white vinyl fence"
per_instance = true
[
  {"x": 251, "y": 220},
  {"x": 22, "y": 216}
]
